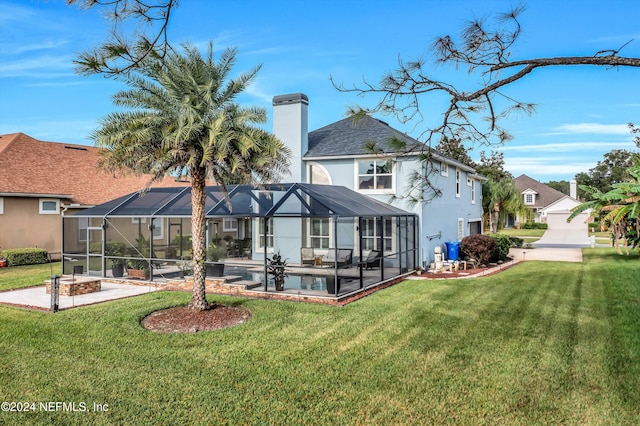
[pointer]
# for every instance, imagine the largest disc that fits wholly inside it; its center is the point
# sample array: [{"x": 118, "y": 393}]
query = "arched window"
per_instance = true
[{"x": 318, "y": 174}]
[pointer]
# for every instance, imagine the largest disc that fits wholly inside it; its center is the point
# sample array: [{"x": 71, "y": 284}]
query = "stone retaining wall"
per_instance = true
[{"x": 80, "y": 286}]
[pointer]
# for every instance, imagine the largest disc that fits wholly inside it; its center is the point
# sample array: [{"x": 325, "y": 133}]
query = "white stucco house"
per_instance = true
[{"x": 337, "y": 154}]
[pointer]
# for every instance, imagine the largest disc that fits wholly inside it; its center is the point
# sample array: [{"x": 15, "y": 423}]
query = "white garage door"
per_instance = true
[{"x": 558, "y": 220}]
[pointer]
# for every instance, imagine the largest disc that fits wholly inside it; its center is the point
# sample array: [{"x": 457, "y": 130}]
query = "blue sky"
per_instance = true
[{"x": 582, "y": 111}]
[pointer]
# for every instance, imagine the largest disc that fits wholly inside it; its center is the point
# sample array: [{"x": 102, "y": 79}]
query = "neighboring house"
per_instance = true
[
  {"x": 337, "y": 155},
  {"x": 42, "y": 181},
  {"x": 549, "y": 205}
]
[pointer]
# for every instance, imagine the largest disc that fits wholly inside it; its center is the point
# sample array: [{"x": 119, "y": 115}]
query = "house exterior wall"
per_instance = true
[
  {"x": 563, "y": 205},
  {"x": 439, "y": 218},
  {"x": 22, "y": 225}
]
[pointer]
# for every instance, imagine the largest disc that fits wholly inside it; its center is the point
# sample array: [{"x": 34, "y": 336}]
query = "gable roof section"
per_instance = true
[
  {"x": 348, "y": 138},
  {"x": 545, "y": 194},
  {"x": 29, "y": 167}
]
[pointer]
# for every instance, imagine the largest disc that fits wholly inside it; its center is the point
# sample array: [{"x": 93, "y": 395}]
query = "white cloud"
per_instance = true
[
  {"x": 12, "y": 13},
  {"x": 545, "y": 167},
  {"x": 597, "y": 128},
  {"x": 41, "y": 67},
  {"x": 15, "y": 49},
  {"x": 70, "y": 131},
  {"x": 569, "y": 146}
]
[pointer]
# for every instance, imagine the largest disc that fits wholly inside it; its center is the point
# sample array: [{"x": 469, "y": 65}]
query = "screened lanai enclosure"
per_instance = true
[{"x": 334, "y": 241}]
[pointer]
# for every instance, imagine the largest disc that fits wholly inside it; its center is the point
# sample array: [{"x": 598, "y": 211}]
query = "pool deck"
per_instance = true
[{"x": 37, "y": 298}]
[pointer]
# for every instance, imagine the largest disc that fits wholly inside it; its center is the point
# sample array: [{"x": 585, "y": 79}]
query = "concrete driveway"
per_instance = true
[
  {"x": 547, "y": 253},
  {"x": 563, "y": 238},
  {"x": 559, "y": 245}
]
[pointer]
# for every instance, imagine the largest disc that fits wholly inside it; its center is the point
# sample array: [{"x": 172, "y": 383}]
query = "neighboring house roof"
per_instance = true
[
  {"x": 545, "y": 195},
  {"x": 29, "y": 167},
  {"x": 349, "y": 138}
]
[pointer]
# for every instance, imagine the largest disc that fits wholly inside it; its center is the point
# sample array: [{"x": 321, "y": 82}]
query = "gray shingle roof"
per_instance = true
[{"x": 349, "y": 136}]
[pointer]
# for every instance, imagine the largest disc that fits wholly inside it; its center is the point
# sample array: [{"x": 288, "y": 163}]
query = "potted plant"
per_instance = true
[
  {"x": 116, "y": 249},
  {"x": 138, "y": 268},
  {"x": 214, "y": 254},
  {"x": 276, "y": 267}
]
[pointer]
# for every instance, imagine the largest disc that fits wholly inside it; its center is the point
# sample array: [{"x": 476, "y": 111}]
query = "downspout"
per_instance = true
[
  {"x": 381, "y": 242},
  {"x": 266, "y": 278},
  {"x": 64, "y": 209},
  {"x": 335, "y": 245},
  {"x": 152, "y": 227},
  {"x": 360, "y": 250},
  {"x": 104, "y": 246}
]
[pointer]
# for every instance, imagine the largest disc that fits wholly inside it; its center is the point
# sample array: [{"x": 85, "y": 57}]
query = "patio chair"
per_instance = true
[
  {"x": 307, "y": 256},
  {"x": 342, "y": 256},
  {"x": 373, "y": 259}
]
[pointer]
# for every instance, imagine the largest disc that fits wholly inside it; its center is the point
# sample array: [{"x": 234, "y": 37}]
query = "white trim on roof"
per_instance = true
[{"x": 34, "y": 195}]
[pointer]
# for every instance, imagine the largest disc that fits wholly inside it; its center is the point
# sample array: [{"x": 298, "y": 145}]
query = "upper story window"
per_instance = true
[
  {"x": 529, "y": 198},
  {"x": 473, "y": 191},
  {"x": 458, "y": 177},
  {"x": 49, "y": 206},
  {"x": 444, "y": 169},
  {"x": 1, "y": 205},
  {"x": 375, "y": 175}
]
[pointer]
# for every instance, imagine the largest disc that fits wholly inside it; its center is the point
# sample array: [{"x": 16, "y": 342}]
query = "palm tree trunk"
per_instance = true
[
  {"x": 198, "y": 196},
  {"x": 495, "y": 218}
]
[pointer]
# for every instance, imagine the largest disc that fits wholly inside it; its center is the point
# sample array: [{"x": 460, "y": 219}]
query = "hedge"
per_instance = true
[
  {"x": 25, "y": 256},
  {"x": 534, "y": 225}
]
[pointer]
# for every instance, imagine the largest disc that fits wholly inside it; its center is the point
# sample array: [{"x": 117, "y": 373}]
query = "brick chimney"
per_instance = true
[{"x": 291, "y": 126}]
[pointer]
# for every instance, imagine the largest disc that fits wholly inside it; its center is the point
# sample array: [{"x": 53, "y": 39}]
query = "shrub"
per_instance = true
[
  {"x": 480, "y": 247},
  {"x": 182, "y": 240},
  {"x": 503, "y": 244},
  {"x": 25, "y": 256},
  {"x": 516, "y": 242}
]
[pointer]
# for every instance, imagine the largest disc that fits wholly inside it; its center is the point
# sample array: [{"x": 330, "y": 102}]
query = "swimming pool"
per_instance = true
[{"x": 300, "y": 282}]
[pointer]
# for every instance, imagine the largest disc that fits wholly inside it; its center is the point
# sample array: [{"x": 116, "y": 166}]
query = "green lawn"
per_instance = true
[
  {"x": 522, "y": 232},
  {"x": 27, "y": 276},
  {"x": 540, "y": 343}
]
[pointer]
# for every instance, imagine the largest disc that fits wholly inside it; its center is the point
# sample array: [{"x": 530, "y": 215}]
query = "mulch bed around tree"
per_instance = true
[{"x": 181, "y": 319}]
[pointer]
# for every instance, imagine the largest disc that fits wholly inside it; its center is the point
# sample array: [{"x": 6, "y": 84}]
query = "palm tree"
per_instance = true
[
  {"x": 181, "y": 117},
  {"x": 501, "y": 197}
]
